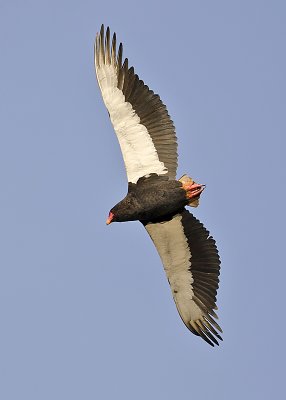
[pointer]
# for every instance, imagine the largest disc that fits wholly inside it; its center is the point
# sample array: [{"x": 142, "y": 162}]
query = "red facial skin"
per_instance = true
[{"x": 110, "y": 218}]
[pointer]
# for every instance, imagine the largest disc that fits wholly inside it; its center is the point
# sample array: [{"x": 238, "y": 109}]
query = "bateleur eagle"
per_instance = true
[{"x": 148, "y": 142}]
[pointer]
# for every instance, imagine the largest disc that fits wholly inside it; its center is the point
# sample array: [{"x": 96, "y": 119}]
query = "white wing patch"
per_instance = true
[
  {"x": 139, "y": 153},
  {"x": 172, "y": 245}
]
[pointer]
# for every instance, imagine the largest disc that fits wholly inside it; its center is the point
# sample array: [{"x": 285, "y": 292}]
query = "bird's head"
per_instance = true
[{"x": 123, "y": 211}]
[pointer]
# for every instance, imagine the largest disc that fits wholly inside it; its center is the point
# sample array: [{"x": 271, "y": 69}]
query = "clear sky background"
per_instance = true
[{"x": 85, "y": 309}]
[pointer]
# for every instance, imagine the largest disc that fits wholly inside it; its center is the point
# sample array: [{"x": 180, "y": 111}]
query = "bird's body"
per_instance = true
[
  {"x": 151, "y": 199},
  {"x": 155, "y": 197}
]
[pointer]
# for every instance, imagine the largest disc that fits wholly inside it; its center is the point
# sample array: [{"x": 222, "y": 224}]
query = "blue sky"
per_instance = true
[{"x": 85, "y": 309}]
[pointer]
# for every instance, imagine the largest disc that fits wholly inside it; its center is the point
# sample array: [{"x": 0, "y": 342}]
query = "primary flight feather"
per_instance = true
[{"x": 148, "y": 142}]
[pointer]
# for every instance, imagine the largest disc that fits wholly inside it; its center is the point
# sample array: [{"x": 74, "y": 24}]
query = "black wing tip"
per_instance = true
[
  {"x": 210, "y": 338},
  {"x": 204, "y": 328},
  {"x": 105, "y": 48}
]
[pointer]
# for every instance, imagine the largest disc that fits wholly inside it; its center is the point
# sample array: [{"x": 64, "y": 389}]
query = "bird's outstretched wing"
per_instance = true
[
  {"x": 192, "y": 266},
  {"x": 144, "y": 129}
]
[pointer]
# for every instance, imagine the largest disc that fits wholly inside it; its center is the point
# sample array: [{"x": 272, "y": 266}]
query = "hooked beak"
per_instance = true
[{"x": 110, "y": 218}]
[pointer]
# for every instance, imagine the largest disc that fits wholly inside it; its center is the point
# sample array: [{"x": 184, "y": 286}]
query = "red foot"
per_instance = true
[{"x": 193, "y": 189}]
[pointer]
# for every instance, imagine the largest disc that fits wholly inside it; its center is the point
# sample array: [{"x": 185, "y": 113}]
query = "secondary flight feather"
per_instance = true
[{"x": 155, "y": 197}]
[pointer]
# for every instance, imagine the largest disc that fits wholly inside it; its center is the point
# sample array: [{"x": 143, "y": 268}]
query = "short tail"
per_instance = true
[{"x": 186, "y": 179}]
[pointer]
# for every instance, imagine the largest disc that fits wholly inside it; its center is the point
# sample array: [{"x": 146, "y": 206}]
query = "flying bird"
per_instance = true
[{"x": 155, "y": 197}]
